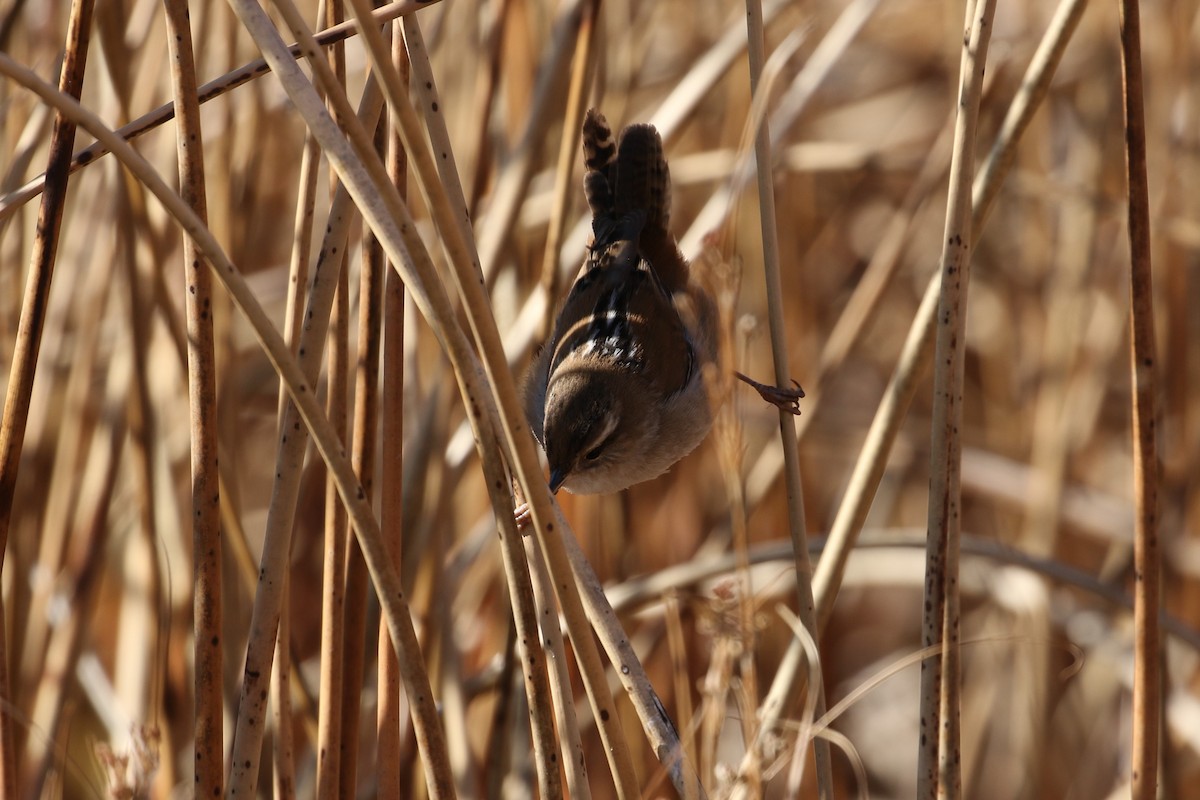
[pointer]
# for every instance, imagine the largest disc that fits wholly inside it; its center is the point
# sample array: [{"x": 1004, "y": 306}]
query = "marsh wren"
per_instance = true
[{"x": 617, "y": 395}]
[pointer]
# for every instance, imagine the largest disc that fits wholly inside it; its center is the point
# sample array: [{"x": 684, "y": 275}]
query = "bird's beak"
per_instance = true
[{"x": 557, "y": 476}]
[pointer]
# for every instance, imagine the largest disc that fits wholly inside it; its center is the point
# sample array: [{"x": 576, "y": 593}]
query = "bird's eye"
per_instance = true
[{"x": 593, "y": 454}]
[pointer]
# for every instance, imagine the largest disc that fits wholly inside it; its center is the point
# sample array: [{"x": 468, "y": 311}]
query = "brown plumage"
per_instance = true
[{"x": 616, "y": 395}]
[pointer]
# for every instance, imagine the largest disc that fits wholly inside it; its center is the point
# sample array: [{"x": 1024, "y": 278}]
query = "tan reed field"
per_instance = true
[{"x": 263, "y": 348}]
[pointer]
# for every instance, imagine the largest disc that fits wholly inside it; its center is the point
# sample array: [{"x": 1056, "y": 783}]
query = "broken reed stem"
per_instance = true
[
  {"x": 1147, "y": 679},
  {"x": 29, "y": 338},
  {"x": 391, "y": 468},
  {"x": 776, "y": 705},
  {"x": 939, "y": 768},
  {"x": 202, "y": 400}
]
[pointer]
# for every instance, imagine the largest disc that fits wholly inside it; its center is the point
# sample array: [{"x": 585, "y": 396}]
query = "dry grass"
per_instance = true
[{"x": 99, "y": 599}]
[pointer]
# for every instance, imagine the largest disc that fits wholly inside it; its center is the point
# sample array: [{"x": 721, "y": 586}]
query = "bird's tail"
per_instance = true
[
  {"x": 599, "y": 160},
  {"x": 643, "y": 178}
]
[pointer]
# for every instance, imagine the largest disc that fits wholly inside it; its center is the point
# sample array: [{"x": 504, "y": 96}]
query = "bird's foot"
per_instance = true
[{"x": 784, "y": 398}]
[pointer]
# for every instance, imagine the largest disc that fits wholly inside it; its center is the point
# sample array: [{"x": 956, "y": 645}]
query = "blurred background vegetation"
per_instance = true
[{"x": 97, "y": 577}]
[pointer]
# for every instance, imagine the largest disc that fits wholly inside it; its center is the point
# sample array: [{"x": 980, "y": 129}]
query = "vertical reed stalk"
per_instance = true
[
  {"x": 517, "y": 438},
  {"x": 1147, "y": 652},
  {"x": 918, "y": 345},
  {"x": 568, "y": 153},
  {"x": 29, "y": 338},
  {"x": 756, "y": 51},
  {"x": 202, "y": 396},
  {"x": 292, "y": 441},
  {"x": 392, "y": 470},
  {"x": 333, "y": 584},
  {"x": 938, "y": 769},
  {"x": 362, "y": 457},
  {"x": 392, "y": 597}
]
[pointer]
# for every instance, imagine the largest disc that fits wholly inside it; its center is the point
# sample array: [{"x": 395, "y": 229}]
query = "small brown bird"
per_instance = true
[{"x": 617, "y": 395}]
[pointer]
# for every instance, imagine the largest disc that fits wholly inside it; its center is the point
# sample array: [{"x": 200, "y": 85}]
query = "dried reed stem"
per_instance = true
[
  {"x": 551, "y": 641},
  {"x": 141, "y": 665},
  {"x": 577, "y": 97},
  {"x": 391, "y": 469},
  {"x": 1147, "y": 653},
  {"x": 12, "y": 201},
  {"x": 281, "y": 701},
  {"x": 281, "y": 675},
  {"x": 533, "y": 660},
  {"x": 428, "y": 101},
  {"x": 545, "y": 692},
  {"x": 938, "y": 768},
  {"x": 392, "y": 599},
  {"x": 787, "y": 428},
  {"x": 519, "y": 442},
  {"x": 62, "y": 655},
  {"x": 289, "y": 461},
  {"x": 512, "y": 181},
  {"x": 362, "y": 455},
  {"x": 202, "y": 396},
  {"x": 389, "y": 218},
  {"x": 29, "y": 337},
  {"x": 918, "y": 345},
  {"x": 330, "y": 706},
  {"x": 659, "y": 729}
]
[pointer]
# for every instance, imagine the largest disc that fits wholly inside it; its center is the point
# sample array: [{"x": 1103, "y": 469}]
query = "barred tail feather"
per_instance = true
[
  {"x": 599, "y": 157},
  {"x": 643, "y": 178}
]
